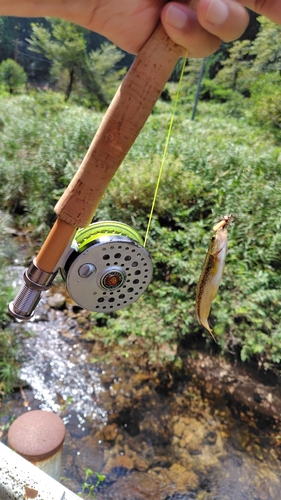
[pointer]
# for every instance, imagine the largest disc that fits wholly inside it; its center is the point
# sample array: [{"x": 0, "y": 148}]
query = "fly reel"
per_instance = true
[{"x": 108, "y": 268}]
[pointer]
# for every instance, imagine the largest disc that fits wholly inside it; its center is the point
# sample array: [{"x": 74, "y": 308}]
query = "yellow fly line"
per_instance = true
[{"x": 165, "y": 150}]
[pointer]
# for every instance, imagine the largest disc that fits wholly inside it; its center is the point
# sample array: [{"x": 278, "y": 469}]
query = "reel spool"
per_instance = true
[{"x": 109, "y": 269}]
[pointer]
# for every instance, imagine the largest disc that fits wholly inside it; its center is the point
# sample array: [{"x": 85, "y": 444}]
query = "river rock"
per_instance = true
[
  {"x": 255, "y": 450},
  {"x": 110, "y": 432},
  {"x": 157, "y": 443},
  {"x": 116, "y": 462},
  {"x": 179, "y": 428},
  {"x": 135, "y": 486},
  {"x": 223, "y": 379},
  {"x": 90, "y": 455},
  {"x": 183, "y": 478},
  {"x": 139, "y": 379},
  {"x": 174, "y": 481},
  {"x": 57, "y": 301},
  {"x": 140, "y": 464}
]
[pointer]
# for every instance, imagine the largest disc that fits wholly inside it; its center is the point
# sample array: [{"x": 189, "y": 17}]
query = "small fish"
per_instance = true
[{"x": 212, "y": 273}]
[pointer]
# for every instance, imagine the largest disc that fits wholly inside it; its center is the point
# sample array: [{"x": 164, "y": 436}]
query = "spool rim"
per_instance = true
[{"x": 87, "y": 236}]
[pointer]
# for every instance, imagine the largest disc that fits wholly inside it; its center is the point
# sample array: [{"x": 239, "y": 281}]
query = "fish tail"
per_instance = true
[
  {"x": 212, "y": 335},
  {"x": 206, "y": 325}
]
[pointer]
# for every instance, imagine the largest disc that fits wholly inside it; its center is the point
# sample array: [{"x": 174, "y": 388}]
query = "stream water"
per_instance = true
[{"x": 150, "y": 441}]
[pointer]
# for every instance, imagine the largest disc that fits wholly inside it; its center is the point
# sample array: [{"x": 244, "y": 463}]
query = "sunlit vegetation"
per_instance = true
[
  {"x": 226, "y": 161},
  {"x": 92, "y": 75}
]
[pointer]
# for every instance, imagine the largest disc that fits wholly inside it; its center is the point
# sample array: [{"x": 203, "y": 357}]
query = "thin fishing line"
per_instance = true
[{"x": 165, "y": 150}]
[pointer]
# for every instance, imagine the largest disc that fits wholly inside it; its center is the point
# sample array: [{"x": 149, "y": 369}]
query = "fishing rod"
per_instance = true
[{"x": 105, "y": 265}]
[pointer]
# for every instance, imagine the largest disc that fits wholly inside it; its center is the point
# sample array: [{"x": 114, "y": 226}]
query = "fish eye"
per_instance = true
[{"x": 213, "y": 237}]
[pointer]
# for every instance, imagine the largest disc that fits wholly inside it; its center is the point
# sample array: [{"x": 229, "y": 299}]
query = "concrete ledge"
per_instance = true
[{"x": 20, "y": 480}]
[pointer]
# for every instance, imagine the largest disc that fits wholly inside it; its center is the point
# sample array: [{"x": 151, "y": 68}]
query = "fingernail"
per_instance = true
[
  {"x": 176, "y": 17},
  {"x": 217, "y": 12}
]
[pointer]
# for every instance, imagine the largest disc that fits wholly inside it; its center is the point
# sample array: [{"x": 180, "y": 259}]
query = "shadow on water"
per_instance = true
[{"x": 150, "y": 443}]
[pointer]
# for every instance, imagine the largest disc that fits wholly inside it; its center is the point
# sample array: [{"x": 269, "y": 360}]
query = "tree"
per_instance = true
[
  {"x": 265, "y": 75},
  {"x": 13, "y": 34},
  {"x": 12, "y": 75},
  {"x": 253, "y": 69},
  {"x": 248, "y": 60},
  {"x": 99, "y": 72},
  {"x": 235, "y": 69},
  {"x": 65, "y": 46},
  {"x": 267, "y": 48}
]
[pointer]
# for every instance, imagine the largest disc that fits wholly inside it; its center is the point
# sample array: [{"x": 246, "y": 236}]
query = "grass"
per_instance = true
[
  {"x": 216, "y": 165},
  {"x": 42, "y": 144}
]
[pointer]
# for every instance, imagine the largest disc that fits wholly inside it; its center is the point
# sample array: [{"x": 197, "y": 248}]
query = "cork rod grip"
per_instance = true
[{"x": 125, "y": 117}]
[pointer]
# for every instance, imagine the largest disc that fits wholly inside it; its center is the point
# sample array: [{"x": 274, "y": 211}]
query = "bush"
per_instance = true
[
  {"x": 265, "y": 102},
  {"x": 215, "y": 165},
  {"x": 12, "y": 75},
  {"x": 210, "y": 171},
  {"x": 234, "y": 101},
  {"x": 43, "y": 144}
]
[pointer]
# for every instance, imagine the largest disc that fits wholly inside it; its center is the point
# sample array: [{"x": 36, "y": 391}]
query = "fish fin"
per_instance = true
[
  {"x": 212, "y": 335},
  {"x": 207, "y": 326}
]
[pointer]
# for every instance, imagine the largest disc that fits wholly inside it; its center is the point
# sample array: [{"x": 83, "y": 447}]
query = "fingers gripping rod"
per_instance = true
[{"x": 125, "y": 117}]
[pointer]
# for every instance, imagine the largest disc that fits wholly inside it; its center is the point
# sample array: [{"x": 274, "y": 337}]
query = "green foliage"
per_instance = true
[
  {"x": 13, "y": 32},
  {"x": 191, "y": 72},
  {"x": 42, "y": 143},
  {"x": 8, "y": 365},
  {"x": 248, "y": 60},
  {"x": 91, "y": 482},
  {"x": 101, "y": 64},
  {"x": 65, "y": 44},
  {"x": 266, "y": 47},
  {"x": 73, "y": 68},
  {"x": 251, "y": 71},
  {"x": 215, "y": 166},
  {"x": 214, "y": 61},
  {"x": 210, "y": 171},
  {"x": 235, "y": 67},
  {"x": 12, "y": 75},
  {"x": 235, "y": 102},
  {"x": 265, "y": 102}
]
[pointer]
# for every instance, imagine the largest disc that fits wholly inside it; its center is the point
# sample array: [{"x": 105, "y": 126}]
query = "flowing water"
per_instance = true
[{"x": 150, "y": 439}]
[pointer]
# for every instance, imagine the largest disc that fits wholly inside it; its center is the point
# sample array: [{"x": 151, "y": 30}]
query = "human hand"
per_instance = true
[
  {"x": 214, "y": 21},
  {"x": 199, "y": 31},
  {"x": 129, "y": 23}
]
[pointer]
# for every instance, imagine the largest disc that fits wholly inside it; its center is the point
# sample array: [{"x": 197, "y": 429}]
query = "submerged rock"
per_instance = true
[
  {"x": 57, "y": 301},
  {"x": 120, "y": 461},
  {"x": 110, "y": 432}
]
